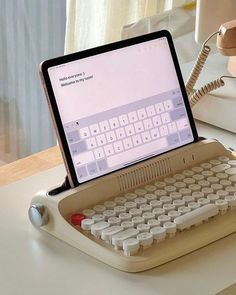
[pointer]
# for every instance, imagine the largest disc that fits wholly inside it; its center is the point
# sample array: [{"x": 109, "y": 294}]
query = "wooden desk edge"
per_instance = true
[{"x": 30, "y": 165}]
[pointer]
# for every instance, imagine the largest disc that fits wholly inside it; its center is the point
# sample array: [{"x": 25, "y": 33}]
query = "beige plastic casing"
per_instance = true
[{"x": 60, "y": 207}]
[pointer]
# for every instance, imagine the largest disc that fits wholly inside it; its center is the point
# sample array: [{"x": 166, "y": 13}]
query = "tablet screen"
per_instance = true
[{"x": 120, "y": 107}]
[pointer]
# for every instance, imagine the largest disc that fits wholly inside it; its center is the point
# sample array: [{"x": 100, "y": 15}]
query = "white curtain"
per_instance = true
[{"x": 94, "y": 22}]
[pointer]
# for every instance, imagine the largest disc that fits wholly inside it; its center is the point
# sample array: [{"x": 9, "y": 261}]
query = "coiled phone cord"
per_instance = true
[
  {"x": 197, "y": 95},
  {"x": 199, "y": 65}
]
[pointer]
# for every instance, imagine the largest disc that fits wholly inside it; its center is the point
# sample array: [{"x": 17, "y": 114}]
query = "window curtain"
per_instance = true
[{"x": 92, "y": 23}]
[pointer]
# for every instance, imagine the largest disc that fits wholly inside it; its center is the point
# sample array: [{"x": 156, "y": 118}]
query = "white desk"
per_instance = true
[{"x": 32, "y": 262}]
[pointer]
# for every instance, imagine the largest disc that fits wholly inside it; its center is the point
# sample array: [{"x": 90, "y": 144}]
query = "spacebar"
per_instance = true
[{"x": 137, "y": 152}]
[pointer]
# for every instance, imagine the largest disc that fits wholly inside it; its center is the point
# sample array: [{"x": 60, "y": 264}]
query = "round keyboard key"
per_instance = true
[
  {"x": 163, "y": 218},
  {"x": 108, "y": 232},
  {"x": 97, "y": 228},
  {"x": 130, "y": 246},
  {"x": 188, "y": 199},
  {"x": 130, "y": 205},
  {"x": 232, "y": 163},
  {"x": 166, "y": 200},
  {"x": 222, "y": 175},
  {"x": 203, "y": 201},
  {"x": 204, "y": 183},
  {"x": 231, "y": 201},
  {"x": 127, "y": 224},
  {"x": 125, "y": 216},
  {"x": 216, "y": 187},
  {"x": 87, "y": 223},
  {"x": 168, "y": 208},
  {"x": 77, "y": 218},
  {"x": 220, "y": 168},
  {"x": 178, "y": 203},
  {"x": 195, "y": 187},
  {"x": 215, "y": 162},
  {"x": 120, "y": 200},
  {"x": 222, "y": 193},
  {"x": 159, "y": 233},
  {"x": 183, "y": 210},
  {"x": 153, "y": 222},
  {"x": 145, "y": 239},
  {"x": 176, "y": 195},
  {"x": 223, "y": 159},
  {"x": 207, "y": 173},
  {"x": 231, "y": 171},
  {"x": 109, "y": 204},
  {"x": 140, "y": 192},
  {"x": 231, "y": 189},
  {"x": 130, "y": 196},
  {"x": 193, "y": 205},
  {"x": 158, "y": 211},
  {"x": 207, "y": 190},
  {"x": 173, "y": 214},
  {"x": 179, "y": 177},
  {"x": 170, "y": 228},
  {"x": 137, "y": 220},
  {"x": 150, "y": 197},
  {"x": 197, "y": 195},
  {"x": 233, "y": 179},
  {"x": 185, "y": 191},
  {"x": 160, "y": 184},
  {"x": 140, "y": 200},
  {"x": 225, "y": 182},
  {"x": 170, "y": 180},
  {"x": 206, "y": 166},
  {"x": 170, "y": 188},
  {"x": 213, "y": 198},
  {"x": 189, "y": 180},
  {"x": 180, "y": 184},
  {"x": 99, "y": 208},
  {"x": 119, "y": 209},
  {"x": 88, "y": 213},
  {"x": 197, "y": 169},
  {"x": 143, "y": 227},
  {"x": 222, "y": 205},
  {"x": 145, "y": 208},
  {"x": 198, "y": 177},
  {"x": 109, "y": 213},
  {"x": 156, "y": 204},
  {"x": 114, "y": 221},
  {"x": 160, "y": 192},
  {"x": 148, "y": 215},
  {"x": 188, "y": 173},
  {"x": 213, "y": 179},
  {"x": 150, "y": 188},
  {"x": 135, "y": 212},
  {"x": 98, "y": 217}
]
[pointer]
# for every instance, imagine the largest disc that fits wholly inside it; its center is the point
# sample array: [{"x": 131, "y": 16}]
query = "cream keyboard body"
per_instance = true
[{"x": 151, "y": 213}]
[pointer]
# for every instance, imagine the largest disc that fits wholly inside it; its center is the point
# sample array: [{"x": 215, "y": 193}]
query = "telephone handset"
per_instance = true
[{"x": 226, "y": 44}]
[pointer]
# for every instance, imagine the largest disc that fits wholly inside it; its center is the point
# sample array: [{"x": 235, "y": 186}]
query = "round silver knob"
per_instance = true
[{"x": 38, "y": 215}]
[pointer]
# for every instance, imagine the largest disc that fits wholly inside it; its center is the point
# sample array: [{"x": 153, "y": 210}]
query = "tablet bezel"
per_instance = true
[{"x": 44, "y": 66}]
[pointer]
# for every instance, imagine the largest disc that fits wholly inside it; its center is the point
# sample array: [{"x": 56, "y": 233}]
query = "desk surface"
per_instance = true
[{"x": 33, "y": 262}]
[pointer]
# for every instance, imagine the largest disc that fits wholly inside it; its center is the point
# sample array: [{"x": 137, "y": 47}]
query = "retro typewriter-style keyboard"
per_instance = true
[{"x": 147, "y": 216}]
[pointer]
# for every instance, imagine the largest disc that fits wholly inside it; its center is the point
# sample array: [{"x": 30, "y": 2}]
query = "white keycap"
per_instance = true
[
  {"x": 198, "y": 177},
  {"x": 114, "y": 221},
  {"x": 145, "y": 239},
  {"x": 173, "y": 214},
  {"x": 183, "y": 210},
  {"x": 153, "y": 222},
  {"x": 197, "y": 169},
  {"x": 223, "y": 158},
  {"x": 130, "y": 246},
  {"x": 120, "y": 209},
  {"x": 196, "y": 216},
  {"x": 137, "y": 220},
  {"x": 135, "y": 212},
  {"x": 127, "y": 224},
  {"x": 232, "y": 178},
  {"x": 206, "y": 166},
  {"x": 104, "y": 126},
  {"x": 185, "y": 191},
  {"x": 170, "y": 188},
  {"x": 170, "y": 228},
  {"x": 169, "y": 180},
  {"x": 97, "y": 228},
  {"x": 117, "y": 239},
  {"x": 180, "y": 184},
  {"x": 204, "y": 183},
  {"x": 140, "y": 192},
  {"x": 225, "y": 182},
  {"x": 109, "y": 213},
  {"x": 87, "y": 223},
  {"x": 99, "y": 208},
  {"x": 141, "y": 114},
  {"x": 130, "y": 196},
  {"x": 213, "y": 198},
  {"x": 160, "y": 193},
  {"x": 125, "y": 216},
  {"x": 189, "y": 180},
  {"x": 163, "y": 218},
  {"x": 156, "y": 204},
  {"x": 220, "y": 168},
  {"x": 168, "y": 208},
  {"x": 166, "y": 199},
  {"x": 107, "y": 233},
  {"x": 207, "y": 190},
  {"x": 231, "y": 189},
  {"x": 187, "y": 199},
  {"x": 158, "y": 211},
  {"x": 222, "y": 175},
  {"x": 193, "y": 205},
  {"x": 207, "y": 173},
  {"x": 216, "y": 187},
  {"x": 231, "y": 201},
  {"x": 120, "y": 200},
  {"x": 148, "y": 215},
  {"x": 145, "y": 208},
  {"x": 176, "y": 195},
  {"x": 203, "y": 201},
  {"x": 195, "y": 187},
  {"x": 140, "y": 200},
  {"x": 109, "y": 204},
  {"x": 179, "y": 177},
  {"x": 213, "y": 179},
  {"x": 98, "y": 217},
  {"x": 159, "y": 233},
  {"x": 197, "y": 195},
  {"x": 178, "y": 203},
  {"x": 222, "y": 205},
  {"x": 150, "y": 197},
  {"x": 231, "y": 171},
  {"x": 188, "y": 173},
  {"x": 232, "y": 163},
  {"x": 160, "y": 184},
  {"x": 88, "y": 213},
  {"x": 143, "y": 227},
  {"x": 215, "y": 162},
  {"x": 222, "y": 193}
]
